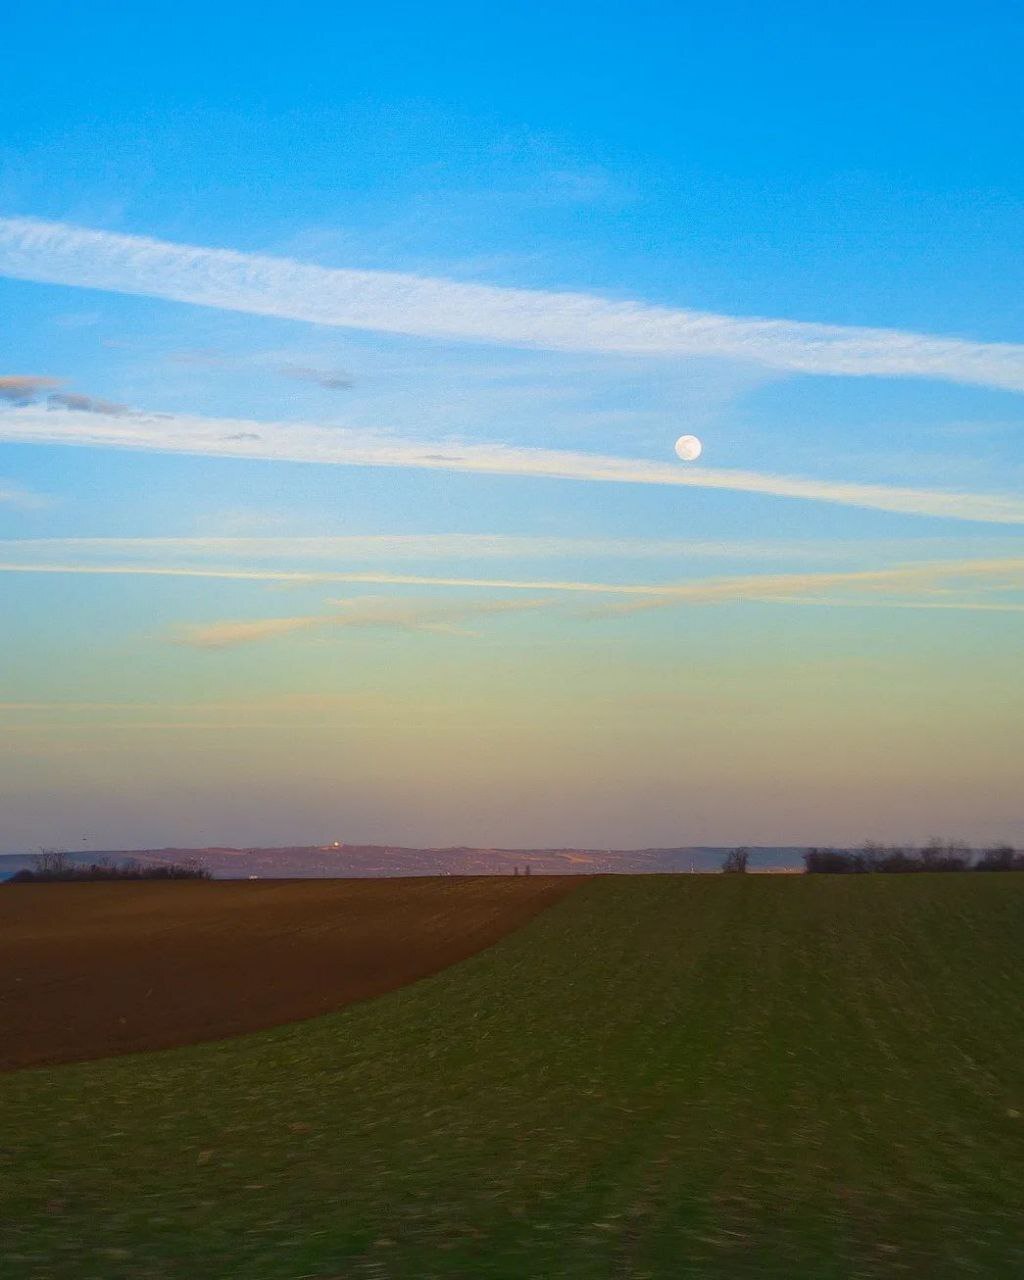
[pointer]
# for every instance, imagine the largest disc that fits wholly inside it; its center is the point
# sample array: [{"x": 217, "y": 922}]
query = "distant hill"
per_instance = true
[{"x": 326, "y": 861}]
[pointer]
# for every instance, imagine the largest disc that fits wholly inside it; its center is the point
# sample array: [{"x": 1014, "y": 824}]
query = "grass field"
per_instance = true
[{"x": 658, "y": 1077}]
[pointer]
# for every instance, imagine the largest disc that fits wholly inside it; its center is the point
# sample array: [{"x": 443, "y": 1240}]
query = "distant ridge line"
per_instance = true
[{"x": 341, "y": 859}]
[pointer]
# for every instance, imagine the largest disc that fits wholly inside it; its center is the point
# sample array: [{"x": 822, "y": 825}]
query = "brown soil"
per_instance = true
[{"x": 89, "y": 970}]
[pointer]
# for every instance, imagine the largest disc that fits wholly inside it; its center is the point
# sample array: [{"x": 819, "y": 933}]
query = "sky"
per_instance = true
[{"x": 342, "y": 356}]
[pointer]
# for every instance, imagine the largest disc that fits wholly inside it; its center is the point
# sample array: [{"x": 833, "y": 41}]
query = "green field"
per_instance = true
[{"x": 659, "y": 1077}]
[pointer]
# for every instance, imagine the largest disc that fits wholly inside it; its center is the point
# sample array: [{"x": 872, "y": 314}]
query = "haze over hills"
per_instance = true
[{"x": 364, "y": 860}]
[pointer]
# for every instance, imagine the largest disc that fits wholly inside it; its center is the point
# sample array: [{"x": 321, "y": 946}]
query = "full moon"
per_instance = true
[{"x": 688, "y": 448}]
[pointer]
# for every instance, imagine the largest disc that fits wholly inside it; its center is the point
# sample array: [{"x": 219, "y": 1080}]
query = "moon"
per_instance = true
[{"x": 688, "y": 448}]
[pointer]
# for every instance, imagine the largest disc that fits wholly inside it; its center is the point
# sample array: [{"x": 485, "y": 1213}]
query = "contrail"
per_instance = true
[
  {"x": 397, "y": 302},
  {"x": 302, "y": 442}
]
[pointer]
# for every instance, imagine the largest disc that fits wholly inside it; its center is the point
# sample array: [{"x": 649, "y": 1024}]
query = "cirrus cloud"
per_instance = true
[
  {"x": 337, "y": 446},
  {"x": 366, "y": 612},
  {"x": 397, "y": 302}
]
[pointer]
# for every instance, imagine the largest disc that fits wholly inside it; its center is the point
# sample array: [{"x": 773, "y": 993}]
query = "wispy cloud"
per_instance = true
[
  {"x": 946, "y": 586},
  {"x": 224, "y": 635},
  {"x": 938, "y": 580},
  {"x": 330, "y": 380},
  {"x": 961, "y": 606},
  {"x": 22, "y": 499},
  {"x": 202, "y": 357},
  {"x": 300, "y": 442},
  {"x": 438, "y": 617},
  {"x": 209, "y": 358},
  {"x": 77, "y": 319},
  {"x": 314, "y": 577},
  {"x": 395, "y": 302},
  {"x": 348, "y": 548},
  {"x": 79, "y": 403},
  {"x": 23, "y": 388},
  {"x": 938, "y": 584}
]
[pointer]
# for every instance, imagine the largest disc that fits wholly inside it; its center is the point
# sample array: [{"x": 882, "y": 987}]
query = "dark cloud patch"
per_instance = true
[
  {"x": 244, "y": 435},
  {"x": 332, "y": 380},
  {"x": 84, "y": 404},
  {"x": 23, "y": 388}
]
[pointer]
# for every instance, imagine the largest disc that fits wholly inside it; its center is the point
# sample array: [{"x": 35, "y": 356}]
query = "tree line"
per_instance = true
[
  {"x": 53, "y": 865},
  {"x": 937, "y": 855}
]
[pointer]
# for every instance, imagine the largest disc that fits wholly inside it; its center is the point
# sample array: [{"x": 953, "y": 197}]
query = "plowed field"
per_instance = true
[{"x": 91, "y": 970}]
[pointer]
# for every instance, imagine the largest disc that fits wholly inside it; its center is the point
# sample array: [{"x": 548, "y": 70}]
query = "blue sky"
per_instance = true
[{"x": 405, "y": 554}]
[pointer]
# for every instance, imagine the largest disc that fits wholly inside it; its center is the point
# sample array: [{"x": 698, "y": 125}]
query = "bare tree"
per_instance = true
[
  {"x": 52, "y": 863},
  {"x": 1002, "y": 857},
  {"x": 735, "y": 862}
]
